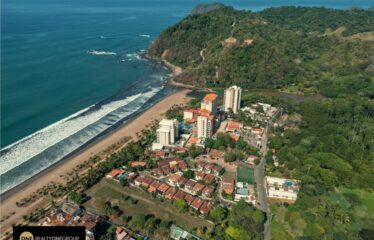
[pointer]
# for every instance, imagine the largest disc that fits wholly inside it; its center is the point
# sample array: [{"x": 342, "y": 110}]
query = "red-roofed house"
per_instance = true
[
  {"x": 208, "y": 191},
  {"x": 138, "y": 181},
  {"x": 235, "y": 137},
  {"x": 206, "y": 207},
  {"x": 170, "y": 193},
  {"x": 198, "y": 188},
  {"x": 190, "y": 184},
  {"x": 228, "y": 185},
  {"x": 189, "y": 198},
  {"x": 209, "y": 178},
  {"x": 147, "y": 181},
  {"x": 217, "y": 170},
  {"x": 233, "y": 126},
  {"x": 174, "y": 178},
  {"x": 153, "y": 187},
  {"x": 162, "y": 189},
  {"x": 179, "y": 195},
  {"x": 197, "y": 203},
  {"x": 114, "y": 173},
  {"x": 137, "y": 164},
  {"x": 257, "y": 131}
]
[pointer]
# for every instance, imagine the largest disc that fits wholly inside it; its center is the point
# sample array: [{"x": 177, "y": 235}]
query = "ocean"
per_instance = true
[{"x": 73, "y": 70}]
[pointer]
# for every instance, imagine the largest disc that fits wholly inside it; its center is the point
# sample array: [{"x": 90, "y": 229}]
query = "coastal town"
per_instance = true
[{"x": 201, "y": 158}]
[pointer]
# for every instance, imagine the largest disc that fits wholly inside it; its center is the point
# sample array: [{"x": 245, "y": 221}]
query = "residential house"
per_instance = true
[
  {"x": 197, "y": 203},
  {"x": 206, "y": 207},
  {"x": 208, "y": 191},
  {"x": 189, "y": 184},
  {"x": 189, "y": 199},
  {"x": 198, "y": 188},
  {"x": 170, "y": 193},
  {"x": 228, "y": 186}
]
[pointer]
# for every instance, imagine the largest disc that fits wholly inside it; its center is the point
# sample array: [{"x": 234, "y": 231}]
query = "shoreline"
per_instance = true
[{"x": 56, "y": 171}]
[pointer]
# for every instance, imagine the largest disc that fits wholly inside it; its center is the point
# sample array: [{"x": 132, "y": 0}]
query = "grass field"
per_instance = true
[
  {"x": 245, "y": 174},
  {"x": 108, "y": 190}
]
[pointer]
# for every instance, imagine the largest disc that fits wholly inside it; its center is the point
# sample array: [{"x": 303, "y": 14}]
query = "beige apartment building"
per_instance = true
[{"x": 232, "y": 97}]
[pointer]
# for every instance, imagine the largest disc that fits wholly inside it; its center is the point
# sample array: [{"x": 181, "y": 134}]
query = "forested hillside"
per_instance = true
[
  {"x": 292, "y": 48},
  {"x": 330, "y": 147}
]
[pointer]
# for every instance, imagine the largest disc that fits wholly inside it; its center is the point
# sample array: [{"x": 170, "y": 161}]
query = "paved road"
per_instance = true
[{"x": 260, "y": 180}]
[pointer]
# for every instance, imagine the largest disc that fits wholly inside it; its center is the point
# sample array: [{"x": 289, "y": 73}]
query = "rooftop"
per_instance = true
[{"x": 210, "y": 97}]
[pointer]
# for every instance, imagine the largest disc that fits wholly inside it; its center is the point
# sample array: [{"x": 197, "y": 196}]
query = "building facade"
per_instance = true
[
  {"x": 168, "y": 132},
  {"x": 232, "y": 97},
  {"x": 209, "y": 103},
  {"x": 205, "y": 126}
]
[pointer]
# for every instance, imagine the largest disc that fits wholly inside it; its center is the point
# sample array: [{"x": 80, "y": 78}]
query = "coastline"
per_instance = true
[{"x": 55, "y": 173}]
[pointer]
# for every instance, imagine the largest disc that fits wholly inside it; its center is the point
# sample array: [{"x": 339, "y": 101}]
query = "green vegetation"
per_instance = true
[
  {"x": 242, "y": 222},
  {"x": 332, "y": 152},
  {"x": 245, "y": 174},
  {"x": 293, "y": 48}
]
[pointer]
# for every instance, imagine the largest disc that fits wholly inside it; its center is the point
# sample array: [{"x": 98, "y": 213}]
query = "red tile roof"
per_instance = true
[
  {"x": 179, "y": 195},
  {"x": 138, "y": 163},
  {"x": 170, "y": 193},
  {"x": 206, "y": 207},
  {"x": 208, "y": 190},
  {"x": 197, "y": 203},
  {"x": 198, "y": 187},
  {"x": 163, "y": 188},
  {"x": 210, "y": 97},
  {"x": 115, "y": 172},
  {"x": 189, "y": 198},
  {"x": 232, "y": 126},
  {"x": 236, "y": 137},
  {"x": 209, "y": 178}
]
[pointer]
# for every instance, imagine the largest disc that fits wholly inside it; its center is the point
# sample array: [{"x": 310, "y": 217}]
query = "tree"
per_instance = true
[
  {"x": 209, "y": 142},
  {"x": 140, "y": 220},
  {"x": 180, "y": 205},
  {"x": 230, "y": 156},
  {"x": 124, "y": 182},
  {"x": 107, "y": 209},
  {"x": 218, "y": 213},
  {"x": 189, "y": 174},
  {"x": 75, "y": 197},
  {"x": 195, "y": 151}
]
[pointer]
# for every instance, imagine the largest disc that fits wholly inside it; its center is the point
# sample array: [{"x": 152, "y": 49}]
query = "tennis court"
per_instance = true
[{"x": 245, "y": 174}]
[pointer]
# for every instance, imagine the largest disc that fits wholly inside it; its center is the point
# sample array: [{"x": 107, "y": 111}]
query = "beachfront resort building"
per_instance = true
[
  {"x": 167, "y": 132},
  {"x": 282, "y": 188},
  {"x": 231, "y": 99},
  {"x": 205, "y": 126},
  {"x": 209, "y": 103}
]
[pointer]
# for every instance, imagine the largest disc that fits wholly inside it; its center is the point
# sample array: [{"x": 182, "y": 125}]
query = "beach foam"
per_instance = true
[{"x": 94, "y": 52}]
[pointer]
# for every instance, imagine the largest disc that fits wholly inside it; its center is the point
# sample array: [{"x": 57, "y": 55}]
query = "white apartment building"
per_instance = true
[
  {"x": 167, "y": 132},
  {"x": 231, "y": 99},
  {"x": 205, "y": 126},
  {"x": 282, "y": 188},
  {"x": 209, "y": 103}
]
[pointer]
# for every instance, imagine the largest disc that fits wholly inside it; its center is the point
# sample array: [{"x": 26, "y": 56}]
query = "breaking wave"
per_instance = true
[
  {"x": 94, "y": 52},
  {"x": 34, "y": 153}
]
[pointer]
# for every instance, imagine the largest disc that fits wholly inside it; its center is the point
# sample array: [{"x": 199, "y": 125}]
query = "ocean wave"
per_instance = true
[
  {"x": 134, "y": 57},
  {"x": 145, "y": 35},
  {"x": 32, "y": 145},
  {"x": 94, "y": 52}
]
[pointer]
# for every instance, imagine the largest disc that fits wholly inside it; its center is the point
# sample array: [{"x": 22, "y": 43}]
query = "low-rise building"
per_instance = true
[
  {"x": 282, "y": 188},
  {"x": 197, "y": 203},
  {"x": 228, "y": 185},
  {"x": 208, "y": 191}
]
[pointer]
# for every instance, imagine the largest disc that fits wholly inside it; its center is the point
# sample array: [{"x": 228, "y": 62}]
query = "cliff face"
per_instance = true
[{"x": 287, "y": 47}]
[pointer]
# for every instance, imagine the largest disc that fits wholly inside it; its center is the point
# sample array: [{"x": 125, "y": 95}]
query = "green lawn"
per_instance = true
[
  {"x": 245, "y": 174},
  {"x": 108, "y": 190}
]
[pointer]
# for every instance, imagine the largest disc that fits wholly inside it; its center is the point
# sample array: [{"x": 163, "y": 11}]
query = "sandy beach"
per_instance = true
[{"x": 8, "y": 201}]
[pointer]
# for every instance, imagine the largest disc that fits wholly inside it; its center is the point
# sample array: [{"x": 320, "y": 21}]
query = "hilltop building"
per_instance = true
[
  {"x": 231, "y": 99},
  {"x": 167, "y": 132}
]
